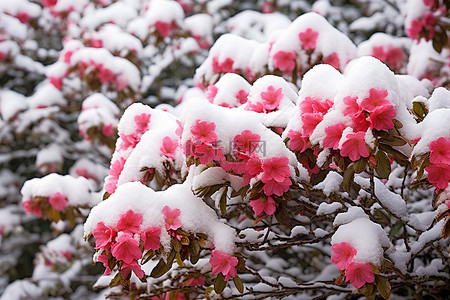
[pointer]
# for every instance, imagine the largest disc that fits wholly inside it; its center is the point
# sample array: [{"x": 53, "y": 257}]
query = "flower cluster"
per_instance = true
[
  {"x": 439, "y": 168},
  {"x": 357, "y": 274},
  {"x": 124, "y": 243}
]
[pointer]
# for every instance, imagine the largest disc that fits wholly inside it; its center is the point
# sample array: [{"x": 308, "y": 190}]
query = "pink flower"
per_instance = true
[
  {"x": 359, "y": 274},
  {"x": 151, "y": 238},
  {"x": 142, "y": 122},
  {"x": 256, "y": 107},
  {"x": 179, "y": 130},
  {"x": 414, "y": 29},
  {"x": 343, "y": 254},
  {"x": 252, "y": 168},
  {"x": 235, "y": 167},
  {"x": 354, "y": 147},
  {"x": 227, "y": 65},
  {"x": 132, "y": 266},
  {"x": 381, "y": 117},
  {"x": 104, "y": 236},
  {"x": 168, "y": 147},
  {"x": 129, "y": 222},
  {"x": 128, "y": 140},
  {"x": 105, "y": 75},
  {"x": 205, "y": 152},
  {"x": 439, "y": 175},
  {"x": 296, "y": 141},
  {"x": 314, "y": 105},
  {"x": 308, "y": 39},
  {"x": 48, "y": 3},
  {"x": 394, "y": 57},
  {"x": 211, "y": 92},
  {"x": 379, "y": 53},
  {"x": 108, "y": 130},
  {"x": 31, "y": 207},
  {"x": 310, "y": 122},
  {"x": 171, "y": 218},
  {"x": 242, "y": 96},
  {"x": 164, "y": 28},
  {"x": 246, "y": 143},
  {"x": 352, "y": 106},
  {"x": 278, "y": 188},
  {"x": 440, "y": 151},
  {"x": 333, "y": 135},
  {"x": 259, "y": 207},
  {"x": 56, "y": 82},
  {"x": 215, "y": 65},
  {"x": 377, "y": 97},
  {"x": 104, "y": 259},
  {"x": 203, "y": 131},
  {"x": 126, "y": 248},
  {"x": 223, "y": 263},
  {"x": 23, "y": 17},
  {"x": 271, "y": 98},
  {"x": 333, "y": 60},
  {"x": 196, "y": 281},
  {"x": 58, "y": 201},
  {"x": 285, "y": 61},
  {"x": 360, "y": 122},
  {"x": 114, "y": 173},
  {"x": 276, "y": 168},
  {"x": 120, "y": 82}
]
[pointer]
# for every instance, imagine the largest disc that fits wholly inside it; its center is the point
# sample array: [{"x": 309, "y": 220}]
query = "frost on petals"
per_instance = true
[
  {"x": 171, "y": 217},
  {"x": 223, "y": 263},
  {"x": 359, "y": 274}
]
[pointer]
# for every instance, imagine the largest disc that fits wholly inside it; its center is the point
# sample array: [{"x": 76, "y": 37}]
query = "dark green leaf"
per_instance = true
[
  {"x": 383, "y": 167},
  {"x": 219, "y": 284},
  {"x": 383, "y": 286},
  {"x": 115, "y": 280},
  {"x": 359, "y": 165},
  {"x": 396, "y": 228},
  {"x": 238, "y": 283},
  {"x": 349, "y": 174},
  {"x": 282, "y": 214}
]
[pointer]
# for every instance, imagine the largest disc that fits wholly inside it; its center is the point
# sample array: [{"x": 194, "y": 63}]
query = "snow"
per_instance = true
[
  {"x": 366, "y": 237},
  {"x": 195, "y": 216},
  {"x": 330, "y": 184},
  {"x": 11, "y": 103},
  {"x": 326, "y": 209},
  {"x": 351, "y": 214},
  {"x": 434, "y": 126}
]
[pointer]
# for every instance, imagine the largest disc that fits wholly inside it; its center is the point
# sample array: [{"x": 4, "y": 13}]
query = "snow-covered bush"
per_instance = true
[{"x": 296, "y": 148}]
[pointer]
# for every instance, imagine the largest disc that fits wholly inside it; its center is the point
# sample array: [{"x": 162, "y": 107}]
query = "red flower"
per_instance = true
[
  {"x": 245, "y": 143},
  {"x": 142, "y": 122},
  {"x": 377, "y": 97},
  {"x": 354, "y": 147},
  {"x": 132, "y": 266},
  {"x": 114, "y": 173},
  {"x": 278, "y": 188},
  {"x": 359, "y": 274},
  {"x": 104, "y": 236},
  {"x": 352, "y": 106},
  {"x": 126, "y": 248},
  {"x": 439, "y": 175},
  {"x": 259, "y": 207},
  {"x": 203, "y": 131},
  {"x": 58, "y": 201},
  {"x": 440, "y": 151},
  {"x": 276, "y": 168},
  {"x": 223, "y": 263},
  {"x": 414, "y": 30},
  {"x": 242, "y": 96},
  {"x": 169, "y": 147},
  {"x": 129, "y": 222},
  {"x": 333, "y": 60},
  {"x": 308, "y": 39},
  {"x": 151, "y": 238},
  {"x": 211, "y": 92},
  {"x": 310, "y": 122},
  {"x": 333, "y": 135},
  {"x": 171, "y": 218},
  {"x": 164, "y": 28},
  {"x": 285, "y": 61},
  {"x": 381, "y": 117},
  {"x": 296, "y": 141},
  {"x": 343, "y": 254}
]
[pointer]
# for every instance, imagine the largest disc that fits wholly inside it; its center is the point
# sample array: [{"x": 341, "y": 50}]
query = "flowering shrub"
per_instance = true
[{"x": 224, "y": 149}]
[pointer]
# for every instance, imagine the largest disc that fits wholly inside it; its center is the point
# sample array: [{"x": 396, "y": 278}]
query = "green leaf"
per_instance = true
[
  {"x": 162, "y": 267},
  {"x": 383, "y": 286},
  {"x": 208, "y": 290},
  {"x": 282, "y": 214},
  {"x": 176, "y": 244},
  {"x": 238, "y": 283},
  {"x": 219, "y": 284},
  {"x": 194, "y": 247},
  {"x": 349, "y": 174},
  {"x": 194, "y": 259},
  {"x": 359, "y": 165},
  {"x": 115, "y": 280},
  {"x": 396, "y": 228},
  {"x": 383, "y": 167},
  {"x": 149, "y": 255},
  {"x": 179, "y": 260},
  {"x": 223, "y": 202}
]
